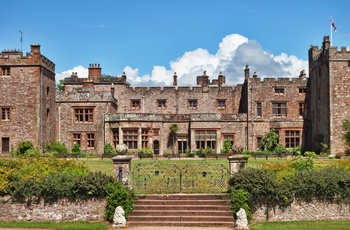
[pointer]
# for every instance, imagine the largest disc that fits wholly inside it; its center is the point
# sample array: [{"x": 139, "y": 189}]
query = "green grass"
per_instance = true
[
  {"x": 303, "y": 225},
  {"x": 55, "y": 225}
]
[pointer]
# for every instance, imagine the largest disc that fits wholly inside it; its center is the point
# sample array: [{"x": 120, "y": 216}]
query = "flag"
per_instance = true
[{"x": 333, "y": 25}]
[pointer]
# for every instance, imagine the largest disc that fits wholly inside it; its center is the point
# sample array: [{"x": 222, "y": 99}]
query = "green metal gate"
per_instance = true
[{"x": 159, "y": 177}]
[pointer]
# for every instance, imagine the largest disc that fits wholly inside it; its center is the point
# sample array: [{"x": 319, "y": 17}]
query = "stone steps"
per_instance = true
[{"x": 182, "y": 210}]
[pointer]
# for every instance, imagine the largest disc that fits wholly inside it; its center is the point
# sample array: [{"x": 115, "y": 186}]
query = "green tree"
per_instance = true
[
  {"x": 60, "y": 85},
  {"x": 346, "y": 135},
  {"x": 270, "y": 141}
]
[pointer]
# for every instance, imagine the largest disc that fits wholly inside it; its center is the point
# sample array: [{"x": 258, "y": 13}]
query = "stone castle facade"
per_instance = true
[{"x": 94, "y": 111}]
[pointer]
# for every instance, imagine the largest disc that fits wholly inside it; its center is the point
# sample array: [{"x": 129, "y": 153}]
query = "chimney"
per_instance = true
[
  {"x": 88, "y": 82},
  {"x": 205, "y": 81},
  {"x": 326, "y": 43},
  {"x": 124, "y": 78},
  {"x": 255, "y": 75},
  {"x": 221, "y": 79},
  {"x": 302, "y": 73},
  {"x": 94, "y": 70},
  {"x": 112, "y": 89},
  {"x": 35, "y": 48},
  {"x": 246, "y": 72},
  {"x": 175, "y": 79}
]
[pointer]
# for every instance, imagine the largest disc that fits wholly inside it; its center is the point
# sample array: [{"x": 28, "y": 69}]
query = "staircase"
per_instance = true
[{"x": 182, "y": 210}]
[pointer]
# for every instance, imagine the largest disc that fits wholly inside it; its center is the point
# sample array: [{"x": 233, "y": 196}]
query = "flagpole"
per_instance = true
[{"x": 331, "y": 32}]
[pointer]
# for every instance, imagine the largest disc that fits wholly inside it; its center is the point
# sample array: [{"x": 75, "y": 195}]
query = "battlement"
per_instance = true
[{"x": 328, "y": 52}]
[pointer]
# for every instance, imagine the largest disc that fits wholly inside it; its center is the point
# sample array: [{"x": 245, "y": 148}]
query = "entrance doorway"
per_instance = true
[{"x": 5, "y": 143}]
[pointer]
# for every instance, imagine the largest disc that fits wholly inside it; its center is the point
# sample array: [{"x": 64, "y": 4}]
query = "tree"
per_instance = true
[
  {"x": 346, "y": 135},
  {"x": 60, "y": 85},
  {"x": 270, "y": 141},
  {"x": 173, "y": 129}
]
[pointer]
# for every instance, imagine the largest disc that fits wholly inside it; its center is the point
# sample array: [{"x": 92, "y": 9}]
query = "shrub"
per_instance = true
[
  {"x": 55, "y": 148},
  {"x": 76, "y": 149},
  {"x": 200, "y": 153},
  {"x": 22, "y": 148},
  {"x": 108, "y": 149},
  {"x": 270, "y": 141},
  {"x": 304, "y": 163},
  {"x": 227, "y": 146},
  {"x": 239, "y": 200},
  {"x": 146, "y": 153},
  {"x": 118, "y": 195}
]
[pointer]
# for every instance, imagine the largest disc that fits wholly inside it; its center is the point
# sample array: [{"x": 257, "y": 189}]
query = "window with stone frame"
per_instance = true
[
  {"x": 302, "y": 91},
  {"x": 130, "y": 138},
  {"x": 192, "y": 104},
  {"x": 135, "y": 104},
  {"x": 221, "y": 103},
  {"x": 90, "y": 139},
  {"x": 279, "y": 90},
  {"x": 145, "y": 137},
  {"x": 76, "y": 138},
  {"x": 229, "y": 137},
  {"x": 258, "y": 109},
  {"x": 161, "y": 103},
  {"x": 279, "y": 109},
  {"x": 205, "y": 139},
  {"x": 292, "y": 138},
  {"x": 84, "y": 115},
  {"x": 5, "y": 113},
  {"x": 182, "y": 143},
  {"x": 115, "y": 137},
  {"x": 258, "y": 141},
  {"x": 5, "y": 70},
  {"x": 301, "y": 109}
]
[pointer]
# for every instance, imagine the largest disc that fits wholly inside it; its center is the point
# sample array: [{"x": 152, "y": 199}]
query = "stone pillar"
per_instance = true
[
  {"x": 236, "y": 163},
  {"x": 121, "y": 164},
  {"x": 121, "y": 168}
]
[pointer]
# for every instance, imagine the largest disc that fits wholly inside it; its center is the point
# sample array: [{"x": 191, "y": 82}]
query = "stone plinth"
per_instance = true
[
  {"x": 121, "y": 168},
  {"x": 236, "y": 163}
]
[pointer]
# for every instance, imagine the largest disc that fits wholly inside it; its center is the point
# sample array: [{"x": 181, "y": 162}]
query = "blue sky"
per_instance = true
[{"x": 150, "y": 40}]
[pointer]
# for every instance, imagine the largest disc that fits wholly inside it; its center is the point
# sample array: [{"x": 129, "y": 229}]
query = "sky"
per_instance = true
[{"x": 149, "y": 40}]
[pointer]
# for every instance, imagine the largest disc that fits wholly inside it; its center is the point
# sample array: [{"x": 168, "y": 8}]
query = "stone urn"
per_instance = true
[{"x": 121, "y": 149}]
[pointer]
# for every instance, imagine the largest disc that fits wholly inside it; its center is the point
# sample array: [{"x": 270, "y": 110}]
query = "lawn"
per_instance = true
[
  {"x": 303, "y": 225},
  {"x": 54, "y": 225}
]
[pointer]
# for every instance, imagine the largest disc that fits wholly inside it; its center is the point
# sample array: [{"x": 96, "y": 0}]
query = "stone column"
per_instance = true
[
  {"x": 121, "y": 164},
  {"x": 236, "y": 163}
]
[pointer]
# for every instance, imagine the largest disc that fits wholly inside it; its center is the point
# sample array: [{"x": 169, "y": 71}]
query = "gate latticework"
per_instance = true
[{"x": 160, "y": 177}]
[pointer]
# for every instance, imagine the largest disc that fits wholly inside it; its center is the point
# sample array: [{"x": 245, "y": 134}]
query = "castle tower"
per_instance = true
[
  {"x": 27, "y": 98},
  {"x": 329, "y": 75}
]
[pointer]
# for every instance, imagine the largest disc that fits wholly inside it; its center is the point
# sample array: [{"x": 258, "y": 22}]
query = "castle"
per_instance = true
[{"x": 94, "y": 111}]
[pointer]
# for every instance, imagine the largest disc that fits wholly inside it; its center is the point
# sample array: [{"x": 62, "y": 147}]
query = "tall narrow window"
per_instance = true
[
  {"x": 292, "y": 138},
  {"x": 145, "y": 137},
  {"x": 301, "y": 109},
  {"x": 205, "y": 139},
  {"x": 130, "y": 138},
  {"x": 5, "y": 114},
  {"x": 76, "y": 138},
  {"x": 90, "y": 137},
  {"x": 258, "y": 109},
  {"x": 279, "y": 109},
  {"x": 47, "y": 115},
  {"x": 115, "y": 137},
  {"x": 84, "y": 115},
  {"x": 181, "y": 144},
  {"x": 5, "y": 143}
]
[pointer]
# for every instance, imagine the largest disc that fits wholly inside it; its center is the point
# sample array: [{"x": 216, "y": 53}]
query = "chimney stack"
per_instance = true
[
  {"x": 175, "y": 79},
  {"x": 35, "y": 48},
  {"x": 94, "y": 70},
  {"x": 246, "y": 72}
]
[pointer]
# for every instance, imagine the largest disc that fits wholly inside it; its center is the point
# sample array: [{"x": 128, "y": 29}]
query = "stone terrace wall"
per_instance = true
[
  {"x": 91, "y": 210},
  {"x": 304, "y": 211}
]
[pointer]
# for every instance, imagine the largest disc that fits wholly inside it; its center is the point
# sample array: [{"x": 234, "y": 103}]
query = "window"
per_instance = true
[
  {"x": 5, "y": 145},
  {"x": 161, "y": 104},
  {"x": 258, "y": 109},
  {"x": 47, "y": 91},
  {"x": 221, "y": 104},
  {"x": 292, "y": 138},
  {"x": 279, "y": 109},
  {"x": 76, "y": 138},
  {"x": 192, "y": 104},
  {"x": 90, "y": 137},
  {"x": 115, "y": 137},
  {"x": 5, "y": 71},
  {"x": 301, "y": 109},
  {"x": 145, "y": 137},
  {"x": 130, "y": 137},
  {"x": 279, "y": 90},
  {"x": 47, "y": 115},
  {"x": 205, "y": 139},
  {"x": 258, "y": 140},
  {"x": 302, "y": 91},
  {"x": 229, "y": 137},
  {"x": 5, "y": 114},
  {"x": 84, "y": 114},
  {"x": 181, "y": 144},
  {"x": 135, "y": 104}
]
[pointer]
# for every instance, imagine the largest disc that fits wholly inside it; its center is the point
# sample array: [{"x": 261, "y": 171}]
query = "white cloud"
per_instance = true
[
  {"x": 80, "y": 70},
  {"x": 234, "y": 53}
]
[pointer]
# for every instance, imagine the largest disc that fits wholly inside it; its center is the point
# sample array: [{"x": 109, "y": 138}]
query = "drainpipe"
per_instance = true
[
  {"x": 104, "y": 128},
  {"x": 41, "y": 110},
  {"x": 252, "y": 108}
]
